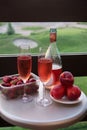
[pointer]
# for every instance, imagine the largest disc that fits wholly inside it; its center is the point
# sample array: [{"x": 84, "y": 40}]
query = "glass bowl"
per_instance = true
[{"x": 16, "y": 90}]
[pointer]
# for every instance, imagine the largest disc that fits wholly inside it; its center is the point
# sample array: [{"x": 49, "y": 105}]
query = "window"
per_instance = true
[{"x": 71, "y": 36}]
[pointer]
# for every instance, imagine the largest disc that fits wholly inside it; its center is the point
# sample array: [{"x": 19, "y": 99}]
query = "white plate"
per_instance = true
[{"x": 65, "y": 100}]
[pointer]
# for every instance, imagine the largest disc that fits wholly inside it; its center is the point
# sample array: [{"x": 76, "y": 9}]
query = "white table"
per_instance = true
[{"x": 30, "y": 115}]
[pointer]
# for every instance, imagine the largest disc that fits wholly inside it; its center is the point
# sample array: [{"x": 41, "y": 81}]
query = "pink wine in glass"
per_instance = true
[
  {"x": 44, "y": 69},
  {"x": 44, "y": 72},
  {"x": 24, "y": 66}
]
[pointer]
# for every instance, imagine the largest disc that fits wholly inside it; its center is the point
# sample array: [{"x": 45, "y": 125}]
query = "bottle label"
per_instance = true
[{"x": 52, "y": 35}]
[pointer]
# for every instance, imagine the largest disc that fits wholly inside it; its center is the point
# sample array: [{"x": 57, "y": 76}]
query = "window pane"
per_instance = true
[{"x": 71, "y": 36}]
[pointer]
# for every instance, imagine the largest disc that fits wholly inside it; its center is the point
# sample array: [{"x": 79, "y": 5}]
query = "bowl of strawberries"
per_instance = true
[{"x": 12, "y": 86}]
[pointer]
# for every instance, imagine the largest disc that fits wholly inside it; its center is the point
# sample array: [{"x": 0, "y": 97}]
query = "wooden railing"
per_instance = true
[{"x": 76, "y": 63}]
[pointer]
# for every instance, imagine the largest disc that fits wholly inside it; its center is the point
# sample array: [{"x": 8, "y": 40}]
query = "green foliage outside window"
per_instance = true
[{"x": 10, "y": 29}]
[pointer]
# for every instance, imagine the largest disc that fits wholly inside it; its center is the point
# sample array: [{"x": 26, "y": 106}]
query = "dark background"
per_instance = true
[{"x": 43, "y": 10}]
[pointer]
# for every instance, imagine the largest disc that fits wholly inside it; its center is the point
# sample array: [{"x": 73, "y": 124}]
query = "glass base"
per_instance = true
[
  {"x": 44, "y": 102},
  {"x": 27, "y": 98}
]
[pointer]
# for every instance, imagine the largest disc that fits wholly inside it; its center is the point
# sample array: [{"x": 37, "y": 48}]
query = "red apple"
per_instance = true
[
  {"x": 66, "y": 78},
  {"x": 73, "y": 92},
  {"x": 58, "y": 91}
]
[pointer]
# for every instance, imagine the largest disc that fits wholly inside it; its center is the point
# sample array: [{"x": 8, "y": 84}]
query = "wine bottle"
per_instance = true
[{"x": 54, "y": 54}]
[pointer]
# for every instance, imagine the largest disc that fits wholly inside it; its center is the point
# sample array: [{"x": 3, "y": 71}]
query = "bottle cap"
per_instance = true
[{"x": 53, "y": 30}]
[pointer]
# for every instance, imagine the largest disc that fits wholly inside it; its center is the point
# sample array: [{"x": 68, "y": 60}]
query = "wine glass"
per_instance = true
[
  {"x": 44, "y": 72},
  {"x": 24, "y": 65}
]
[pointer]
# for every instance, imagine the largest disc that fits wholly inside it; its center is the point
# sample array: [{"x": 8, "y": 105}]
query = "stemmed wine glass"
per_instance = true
[
  {"x": 24, "y": 65},
  {"x": 44, "y": 72}
]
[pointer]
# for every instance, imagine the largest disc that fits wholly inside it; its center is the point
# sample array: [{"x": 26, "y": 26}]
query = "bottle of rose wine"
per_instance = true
[{"x": 54, "y": 54}]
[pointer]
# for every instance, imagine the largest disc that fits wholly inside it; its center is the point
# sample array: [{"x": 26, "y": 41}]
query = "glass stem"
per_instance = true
[
  {"x": 25, "y": 92},
  {"x": 44, "y": 91},
  {"x": 24, "y": 95}
]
